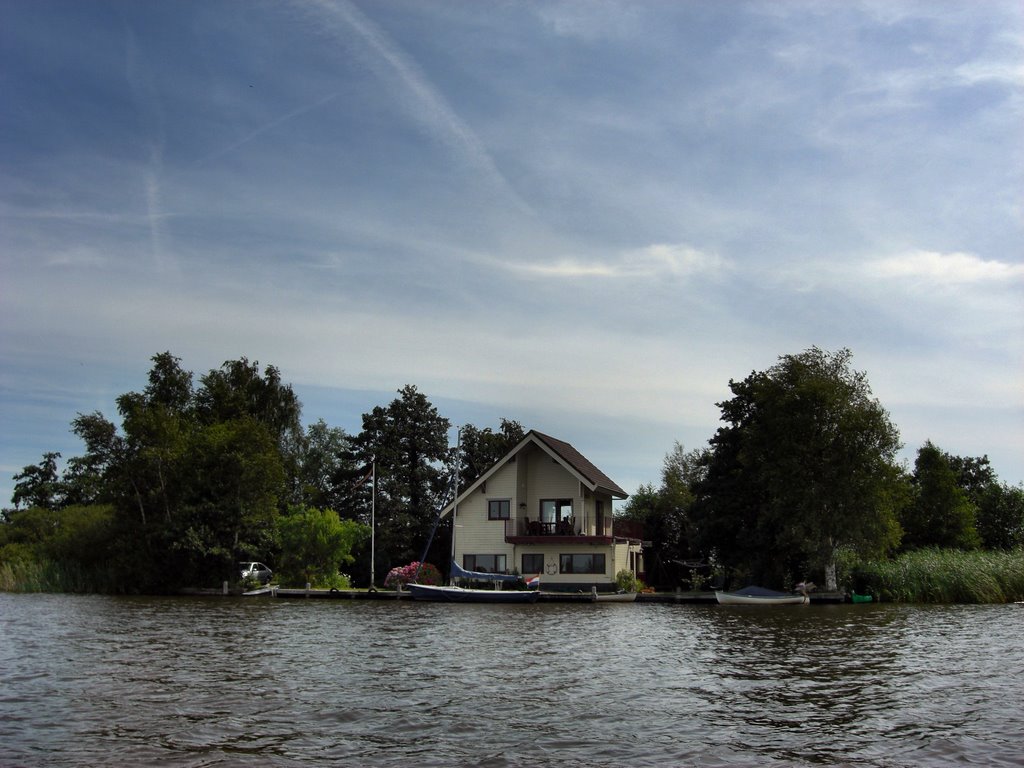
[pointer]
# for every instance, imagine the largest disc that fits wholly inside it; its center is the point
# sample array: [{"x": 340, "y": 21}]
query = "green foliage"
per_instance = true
[
  {"x": 326, "y": 475},
  {"x": 315, "y": 544},
  {"x": 665, "y": 514},
  {"x": 480, "y": 449},
  {"x": 803, "y": 467},
  {"x": 37, "y": 485},
  {"x": 1000, "y": 516},
  {"x": 940, "y": 513},
  {"x": 944, "y": 576},
  {"x": 626, "y": 581},
  {"x": 409, "y": 441}
]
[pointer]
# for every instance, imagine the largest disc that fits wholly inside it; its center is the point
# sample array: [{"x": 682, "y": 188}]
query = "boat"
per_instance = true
[
  {"x": 614, "y": 597},
  {"x": 456, "y": 594},
  {"x": 855, "y": 598},
  {"x": 760, "y": 596},
  {"x": 462, "y": 595}
]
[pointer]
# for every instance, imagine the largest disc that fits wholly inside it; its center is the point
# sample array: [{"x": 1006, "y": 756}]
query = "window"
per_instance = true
[
  {"x": 498, "y": 509},
  {"x": 555, "y": 510},
  {"x": 484, "y": 563},
  {"x": 532, "y": 564},
  {"x": 586, "y": 563}
]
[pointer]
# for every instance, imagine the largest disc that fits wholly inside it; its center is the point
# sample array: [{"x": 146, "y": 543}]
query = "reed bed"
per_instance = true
[
  {"x": 945, "y": 576},
  {"x": 50, "y": 576}
]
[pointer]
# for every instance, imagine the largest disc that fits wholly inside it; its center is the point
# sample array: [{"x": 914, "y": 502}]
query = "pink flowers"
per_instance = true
[{"x": 402, "y": 575}]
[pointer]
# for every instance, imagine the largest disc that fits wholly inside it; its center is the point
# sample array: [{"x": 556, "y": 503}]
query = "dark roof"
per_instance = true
[
  {"x": 580, "y": 463},
  {"x": 564, "y": 452}
]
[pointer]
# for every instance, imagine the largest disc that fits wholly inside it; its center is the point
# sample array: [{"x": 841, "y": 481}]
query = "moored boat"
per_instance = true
[
  {"x": 614, "y": 597},
  {"x": 461, "y": 595},
  {"x": 855, "y": 598},
  {"x": 455, "y": 594},
  {"x": 760, "y": 596}
]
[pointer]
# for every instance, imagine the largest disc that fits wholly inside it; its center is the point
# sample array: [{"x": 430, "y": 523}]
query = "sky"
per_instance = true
[{"x": 584, "y": 216}]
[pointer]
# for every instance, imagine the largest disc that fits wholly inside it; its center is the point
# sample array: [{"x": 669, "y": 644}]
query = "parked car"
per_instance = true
[{"x": 257, "y": 571}]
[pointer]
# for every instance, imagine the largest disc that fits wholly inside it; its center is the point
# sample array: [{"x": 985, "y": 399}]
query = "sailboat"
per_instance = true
[{"x": 456, "y": 594}]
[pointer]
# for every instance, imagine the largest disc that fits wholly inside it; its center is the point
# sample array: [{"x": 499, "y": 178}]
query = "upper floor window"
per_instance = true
[{"x": 498, "y": 509}]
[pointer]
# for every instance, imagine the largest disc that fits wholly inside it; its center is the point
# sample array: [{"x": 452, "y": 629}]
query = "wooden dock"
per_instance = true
[{"x": 679, "y": 596}]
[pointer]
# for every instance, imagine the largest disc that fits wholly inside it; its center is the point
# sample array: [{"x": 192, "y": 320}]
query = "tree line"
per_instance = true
[
  {"x": 801, "y": 482},
  {"x": 201, "y": 475}
]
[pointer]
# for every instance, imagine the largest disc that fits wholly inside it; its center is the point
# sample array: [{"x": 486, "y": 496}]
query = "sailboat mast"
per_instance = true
[
  {"x": 373, "y": 523},
  {"x": 455, "y": 500}
]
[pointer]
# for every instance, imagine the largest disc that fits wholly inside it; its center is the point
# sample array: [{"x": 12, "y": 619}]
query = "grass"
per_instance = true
[
  {"x": 49, "y": 576},
  {"x": 945, "y": 576}
]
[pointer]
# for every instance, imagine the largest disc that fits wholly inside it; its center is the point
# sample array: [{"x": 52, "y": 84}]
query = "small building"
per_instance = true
[{"x": 544, "y": 509}]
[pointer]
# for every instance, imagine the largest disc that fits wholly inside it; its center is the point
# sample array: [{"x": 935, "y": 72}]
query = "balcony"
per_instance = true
[{"x": 525, "y": 531}]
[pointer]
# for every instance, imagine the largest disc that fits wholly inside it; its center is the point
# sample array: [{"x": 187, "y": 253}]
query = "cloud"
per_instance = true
[
  {"x": 419, "y": 96},
  {"x": 949, "y": 269},
  {"x": 653, "y": 262},
  {"x": 268, "y": 126}
]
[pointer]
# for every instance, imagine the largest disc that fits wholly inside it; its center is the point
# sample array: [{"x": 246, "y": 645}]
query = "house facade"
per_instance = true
[{"x": 544, "y": 509}]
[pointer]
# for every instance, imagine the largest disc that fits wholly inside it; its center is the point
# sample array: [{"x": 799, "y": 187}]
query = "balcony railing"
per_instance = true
[{"x": 525, "y": 527}]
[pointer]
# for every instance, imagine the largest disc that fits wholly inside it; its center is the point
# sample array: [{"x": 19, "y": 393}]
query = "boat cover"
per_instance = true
[{"x": 461, "y": 573}]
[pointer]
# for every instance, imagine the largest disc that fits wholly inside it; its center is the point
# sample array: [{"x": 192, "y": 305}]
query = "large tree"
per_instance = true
[
  {"x": 803, "y": 467},
  {"x": 941, "y": 513},
  {"x": 408, "y": 442}
]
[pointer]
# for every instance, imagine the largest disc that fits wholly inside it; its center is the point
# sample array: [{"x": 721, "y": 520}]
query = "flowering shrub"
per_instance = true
[{"x": 402, "y": 575}]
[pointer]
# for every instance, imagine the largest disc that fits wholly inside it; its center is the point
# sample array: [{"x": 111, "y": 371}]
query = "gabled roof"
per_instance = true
[
  {"x": 572, "y": 460},
  {"x": 593, "y": 477}
]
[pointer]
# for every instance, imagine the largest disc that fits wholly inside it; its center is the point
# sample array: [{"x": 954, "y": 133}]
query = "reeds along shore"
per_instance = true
[
  {"x": 923, "y": 576},
  {"x": 944, "y": 576}
]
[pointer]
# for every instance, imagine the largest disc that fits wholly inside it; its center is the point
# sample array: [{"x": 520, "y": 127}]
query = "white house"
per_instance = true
[{"x": 544, "y": 509}]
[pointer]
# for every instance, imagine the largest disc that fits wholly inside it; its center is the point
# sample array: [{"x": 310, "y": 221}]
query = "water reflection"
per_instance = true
[{"x": 133, "y": 681}]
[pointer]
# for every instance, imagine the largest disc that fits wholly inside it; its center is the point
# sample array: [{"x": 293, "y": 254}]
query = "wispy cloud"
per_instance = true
[
  {"x": 147, "y": 99},
  {"x": 419, "y": 96},
  {"x": 949, "y": 269},
  {"x": 658, "y": 261},
  {"x": 269, "y": 126}
]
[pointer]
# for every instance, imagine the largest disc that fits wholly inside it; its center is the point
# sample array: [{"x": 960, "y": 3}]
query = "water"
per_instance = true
[{"x": 87, "y": 680}]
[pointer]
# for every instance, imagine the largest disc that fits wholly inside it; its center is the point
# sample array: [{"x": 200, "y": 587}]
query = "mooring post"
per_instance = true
[{"x": 224, "y": 588}]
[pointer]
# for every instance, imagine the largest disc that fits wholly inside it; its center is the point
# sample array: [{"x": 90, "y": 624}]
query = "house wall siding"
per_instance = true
[{"x": 476, "y": 535}]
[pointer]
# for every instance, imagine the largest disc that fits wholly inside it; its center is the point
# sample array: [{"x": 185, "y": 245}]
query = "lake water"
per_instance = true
[{"x": 90, "y": 680}]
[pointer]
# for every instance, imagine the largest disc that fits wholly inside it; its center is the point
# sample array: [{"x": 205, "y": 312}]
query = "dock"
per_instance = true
[{"x": 679, "y": 596}]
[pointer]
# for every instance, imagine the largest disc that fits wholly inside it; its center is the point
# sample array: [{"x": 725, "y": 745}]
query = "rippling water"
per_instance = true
[{"x": 223, "y": 682}]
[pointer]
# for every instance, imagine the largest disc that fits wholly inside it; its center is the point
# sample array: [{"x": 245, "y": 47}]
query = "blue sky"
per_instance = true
[{"x": 585, "y": 216}]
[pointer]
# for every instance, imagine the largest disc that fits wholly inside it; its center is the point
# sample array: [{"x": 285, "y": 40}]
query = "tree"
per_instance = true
[
  {"x": 803, "y": 468},
  {"x": 315, "y": 544},
  {"x": 326, "y": 472},
  {"x": 480, "y": 449},
  {"x": 38, "y": 485},
  {"x": 664, "y": 513},
  {"x": 230, "y": 511},
  {"x": 940, "y": 513},
  {"x": 408, "y": 440},
  {"x": 1000, "y": 517},
  {"x": 237, "y": 390}
]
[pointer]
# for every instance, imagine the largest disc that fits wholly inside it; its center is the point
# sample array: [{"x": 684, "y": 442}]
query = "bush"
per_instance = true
[
  {"x": 626, "y": 581},
  {"x": 402, "y": 575}
]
